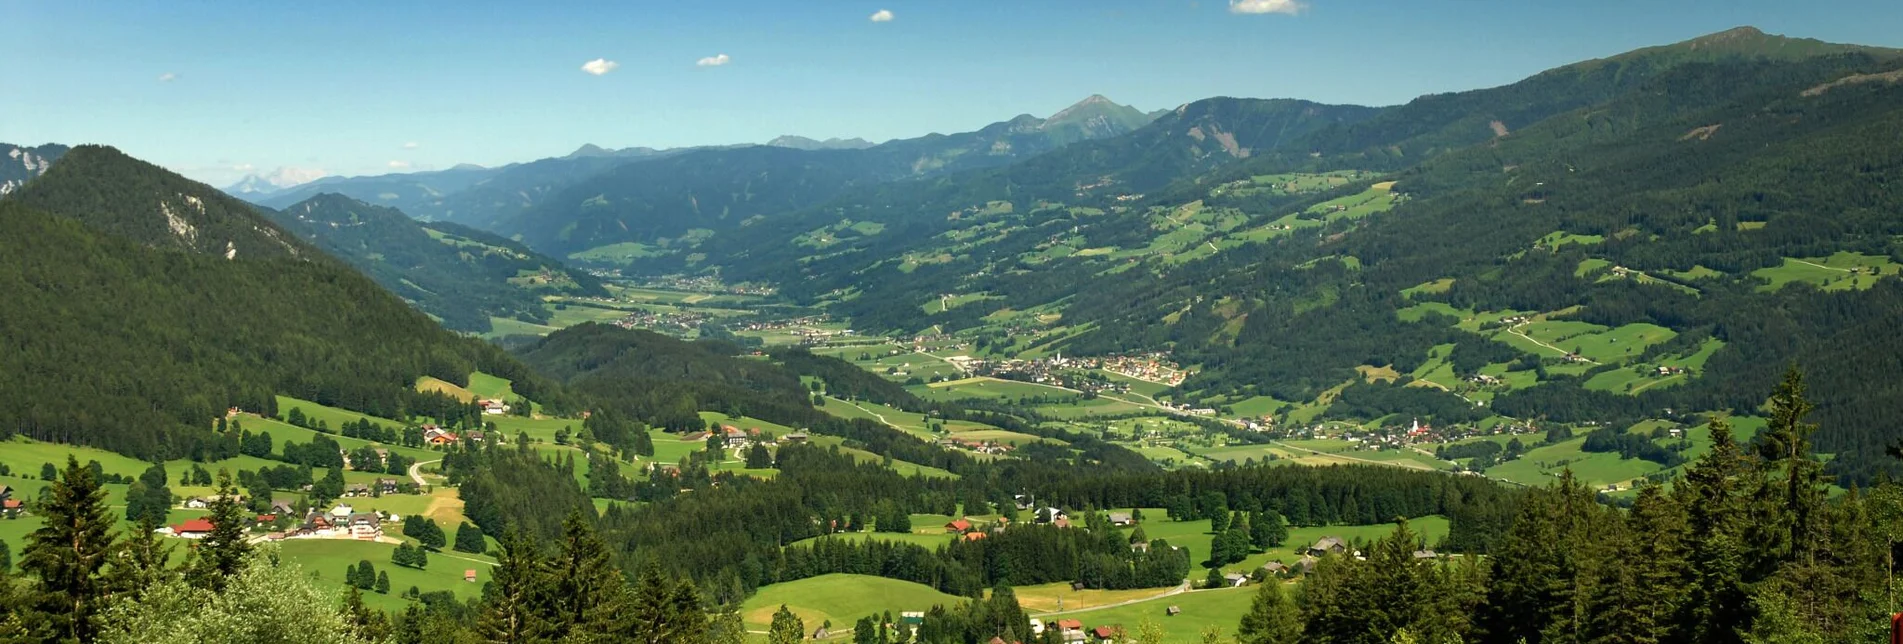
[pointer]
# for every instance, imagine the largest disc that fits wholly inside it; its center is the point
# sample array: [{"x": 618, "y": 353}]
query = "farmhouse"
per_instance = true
[
  {"x": 12, "y": 508},
  {"x": 1306, "y": 564},
  {"x": 436, "y": 436},
  {"x": 366, "y": 526},
  {"x": 492, "y": 407},
  {"x": 1275, "y": 568},
  {"x": 356, "y": 490},
  {"x": 736, "y": 437},
  {"x": 1050, "y": 515},
  {"x": 959, "y": 526},
  {"x": 1121, "y": 519},
  {"x": 192, "y": 529},
  {"x": 1235, "y": 579},
  {"x": 1327, "y": 545},
  {"x": 1070, "y": 630},
  {"x": 1107, "y": 634},
  {"x": 469, "y": 575},
  {"x": 386, "y": 486}
]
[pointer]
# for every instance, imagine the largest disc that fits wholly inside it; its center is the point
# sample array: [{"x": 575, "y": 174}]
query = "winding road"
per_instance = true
[{"x": 416, "y": 471}]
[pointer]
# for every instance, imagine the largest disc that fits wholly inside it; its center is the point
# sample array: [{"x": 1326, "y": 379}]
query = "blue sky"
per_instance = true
[{"x": 218, "y": 89}]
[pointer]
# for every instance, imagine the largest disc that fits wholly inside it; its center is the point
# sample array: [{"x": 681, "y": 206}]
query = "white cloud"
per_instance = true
[
  {"x": 1288, "y": 7},
  {"x": 882, "y": 15},
  {"x": 714, "y": 61},
  {"x": 599, "y": 66},
  {"x": 167, "y": 77},
  {"x": 412, "y": 145},
  {"x": 399, "y": 165}
]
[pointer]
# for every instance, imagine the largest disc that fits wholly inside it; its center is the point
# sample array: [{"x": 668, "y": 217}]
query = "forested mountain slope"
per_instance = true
[
  {"x": 24, "y": 163},
  {"x": 457, "y": 274},
  {"x": 1660, "y": 226},
  {"x": 1681, "y": 218},
  {"x": 128, "y": 198},
  {"x": 120, "y": 344},
  {"x": 666, "y": 205}
]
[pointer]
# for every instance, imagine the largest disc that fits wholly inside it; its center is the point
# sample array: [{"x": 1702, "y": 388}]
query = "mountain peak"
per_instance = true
[
  {"x": 1745, "y": 42},
  {"x": 276, "y": 181},
  {"x": 588, "y": 150},
  {"x": 1091, "y": 103}
]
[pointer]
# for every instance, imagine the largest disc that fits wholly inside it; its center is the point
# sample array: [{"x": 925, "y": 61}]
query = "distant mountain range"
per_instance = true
[
  {"x": 260, "y": 185},
  {"x": 803, "y": 143}
]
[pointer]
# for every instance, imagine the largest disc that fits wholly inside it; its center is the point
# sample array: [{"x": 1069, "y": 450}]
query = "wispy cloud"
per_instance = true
[
  {"x": 399, "y": 165},
  {"x": 412, "y": 145},
  {"x": 882, "y": 15},
  {"x": 167, "y": 77},
  {"x": 714, "y": 61},
  {"x": 1285, "y": 7},
  {"x": 599, "y": 66},
  {"x": 243, "y": 167}
]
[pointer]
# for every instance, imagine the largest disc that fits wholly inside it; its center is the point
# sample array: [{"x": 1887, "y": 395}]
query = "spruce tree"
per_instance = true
[
  {"x": 221, "y": 553},
  {"x": 141, "y": 562},
  {"x": 383, "y": 582},
  {"x": 586, "y": 589},
  {"x": 1716, "y": 601},
  {"x": 663, "y": 611},
  {"x": 1272, "y": 618},
  {"x": 67, "y": 555},
  {"x": 515, "y": 610}
]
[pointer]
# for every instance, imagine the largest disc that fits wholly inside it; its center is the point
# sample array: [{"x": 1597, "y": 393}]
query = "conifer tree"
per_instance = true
[
  {"x": 141, "y": 562},
  {"x": 586, "y": 589},
  {"x": 67, "y": 555},
  {"x": 663, "y": 611},
  {"x": 383, "y": 582},
  {"x": 514, "y": 612},
  {"x": 1712, "y": 492},
  {"x": 1272, "y": 618}
]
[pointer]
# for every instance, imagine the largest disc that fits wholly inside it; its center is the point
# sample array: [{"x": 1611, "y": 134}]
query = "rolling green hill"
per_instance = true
[{"x": 459, "y": 275}]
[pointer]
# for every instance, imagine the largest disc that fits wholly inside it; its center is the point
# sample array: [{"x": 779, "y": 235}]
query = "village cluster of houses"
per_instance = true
[
  {"x": 438, "y": 437},
  {"x": 981, "y": 447},
  {"x": 340, "y": 522},
  {"x": 737, "y": 438}
]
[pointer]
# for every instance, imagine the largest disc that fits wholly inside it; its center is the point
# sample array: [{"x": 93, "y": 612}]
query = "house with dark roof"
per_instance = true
[{"x": 1327, "y": 545}]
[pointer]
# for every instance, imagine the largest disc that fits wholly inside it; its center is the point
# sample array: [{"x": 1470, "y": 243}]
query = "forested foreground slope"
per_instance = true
[{"x": 125, "y": 333}]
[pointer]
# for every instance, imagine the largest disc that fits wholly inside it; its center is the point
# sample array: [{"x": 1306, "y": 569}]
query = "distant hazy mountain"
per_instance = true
[
  {"x": 662, "y": 199},
  {"x": 256, "y": 185},
  {"x": 803, "y": 143},
  {"x": 460, "y": 275},
  {"x": 22, "y": 164},
  {"x": 409, "y": 192}
]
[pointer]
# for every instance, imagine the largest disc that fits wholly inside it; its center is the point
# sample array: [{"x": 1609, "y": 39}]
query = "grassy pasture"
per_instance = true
[{"x": 842, "y": 599}]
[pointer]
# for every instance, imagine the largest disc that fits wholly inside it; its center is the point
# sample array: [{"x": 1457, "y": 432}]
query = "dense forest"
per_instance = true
[
  {"x": 457, "y": 274},
  {"x": 137, "y": 349}
]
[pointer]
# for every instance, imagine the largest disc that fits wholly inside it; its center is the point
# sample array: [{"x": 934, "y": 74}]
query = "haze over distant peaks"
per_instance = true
[
  {"x": 276, "y": 181},
  {"x": 803, "y": 143}
]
